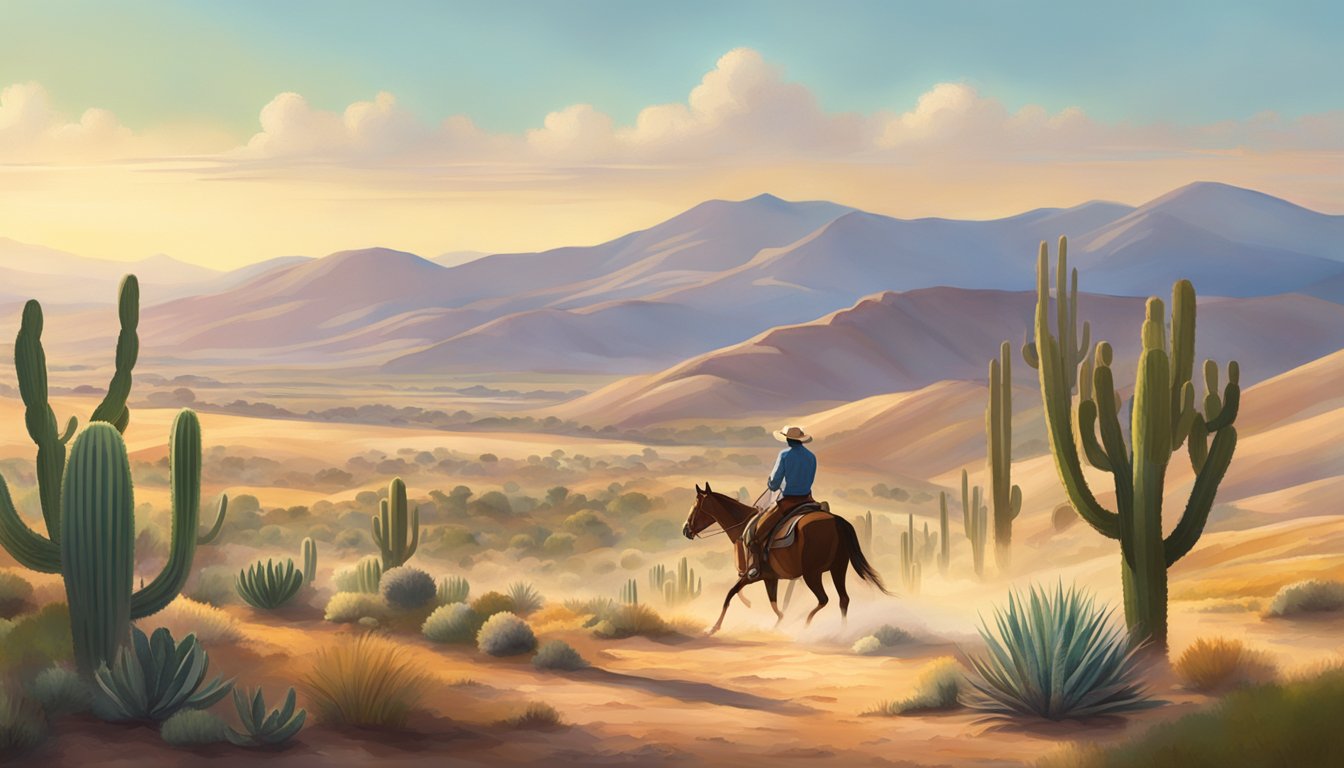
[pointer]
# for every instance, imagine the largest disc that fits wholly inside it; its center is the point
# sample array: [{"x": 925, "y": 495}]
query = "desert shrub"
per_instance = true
[
  {"x": 369, "y": 683},
  {"x": 453, "y": 589},
  {"x": 867, "y": 645},
  {"x": 153, "y": 678},
  {"x": 261, "y": 729},
  {"x": 938, "y": 687},
  {"x": 1310, "y": 596},
  {"x": 5, "y": 626},
  {"x": 590, "y": 525},
  {"x": 452, "y": 623},
  {"x": 1056, "y": 655},
  {"x": 1288, "y": 724},
  {"x": 273, "y": 536},
  {"x": 888, "y": 635},
  {"x": 185, "y": 616},
  {"x": 526, "y": 599},
  {"x": 214, "y": 584},
  {"x": 559, "y": 544},
  {"x": 631, "y": 559},
  {"x": 193, "y": 728},
  {"x": 490, "y": 603},
  {"x": 22, "y": 726},
  {"x": 557, "y": 654},
  {"x": 350, "y": 538},
  {"x": 621, "y": 621},
  {"x": 537, "y": 715},
  {"x": 38, "y": 640},
  {"x": 61, "y": 692},
  {"x": 407, "y": 588},
  {"x": 270, "y": 585},
  {"x": 15, "y": 594},
  {"x": 504, "y": 634},
  {"x": 1209, "y": 665},
  {"x": 350, "y": 607},
  {"x": 522, "y": 541}
]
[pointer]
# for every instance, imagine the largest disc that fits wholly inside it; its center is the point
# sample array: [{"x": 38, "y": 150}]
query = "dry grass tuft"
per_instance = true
[
  {"x": 368, "y": 682},
  {"x": 537, "y": 716},
  {"x": 1218, "y": 663},
  {"x": 185, "y": 616}
]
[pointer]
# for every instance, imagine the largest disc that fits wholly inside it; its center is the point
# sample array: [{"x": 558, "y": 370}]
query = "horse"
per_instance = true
[{"x": 825, "y": 542}]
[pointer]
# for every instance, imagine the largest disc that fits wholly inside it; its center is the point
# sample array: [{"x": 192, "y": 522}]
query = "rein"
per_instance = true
[{"x": 724, "y": 531}]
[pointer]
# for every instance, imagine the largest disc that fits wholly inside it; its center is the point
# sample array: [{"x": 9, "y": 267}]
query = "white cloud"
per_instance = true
[{"x": 31, "y": 130}]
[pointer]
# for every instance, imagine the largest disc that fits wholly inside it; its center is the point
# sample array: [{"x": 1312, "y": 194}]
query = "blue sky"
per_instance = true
[{"x": 508, "y": 63}]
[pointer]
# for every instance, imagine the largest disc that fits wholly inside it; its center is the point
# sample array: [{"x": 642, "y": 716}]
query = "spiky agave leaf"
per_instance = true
[
  {"x": 154, "y": 678},
  {"x": 1056, "y": 655},
  {"x": 269, "y": 585},
  {"x": 261, "y": 729}
]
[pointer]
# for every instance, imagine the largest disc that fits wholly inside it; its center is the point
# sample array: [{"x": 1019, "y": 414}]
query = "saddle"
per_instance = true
[{"x": 785, "y": 531}]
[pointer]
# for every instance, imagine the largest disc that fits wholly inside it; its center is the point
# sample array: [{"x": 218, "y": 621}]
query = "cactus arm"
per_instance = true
[
  {"x": 415, "y": 533},
  {"x": 184, "y": 456},
  {"x": 1015, "y": 502},
  {"x": 1231, "y": 401},
  {"x": 1087, "y": 433},
  {"x": 1182, "y": 355},
  {"x": 1198, "y": 444},
  {"x": 209, "y": 536},
  {"x": 70, "y": 427},
  {"x": 30, "y": 368},
  {"x": 28, "y": 548},
  {"x": 113, "y": 408},
  {"x": 1029, "y": 354},
  {"x": 1196, "y": 514}
]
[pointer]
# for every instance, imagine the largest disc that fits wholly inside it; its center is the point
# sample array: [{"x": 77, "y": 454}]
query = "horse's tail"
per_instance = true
[{"x": 856, "y": 558}]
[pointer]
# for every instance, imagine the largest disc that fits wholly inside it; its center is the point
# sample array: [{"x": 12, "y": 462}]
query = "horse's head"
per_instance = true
[{"x": 699, "y": 519}]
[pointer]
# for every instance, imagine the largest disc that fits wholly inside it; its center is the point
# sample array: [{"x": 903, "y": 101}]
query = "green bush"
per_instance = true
[
  {"x": 557, "y": 654},
  {"x": 22, "y": 726},
  {"x": 490, "y": 603},
  {"x": 1266, "y": 726},
  {"x": 15, "y": 594},
  {"x": 452, "y": 623},
  {"x": 350, "y": 607},
  {"x": 620, "y": 621},
  {"x": 526, "y": 599},
  {"x": 61, "y": 692},
  {"x": 153, "y": 678},
  {"x": 38, "y": 640},
  {"x": 407, "y": 588},
  {"x": 889, "y": 636},
  {"x": 214, "y": 584},
  {"x": 504, "y": 634},
  {"x": 193, "y": 728},
  {"x": 1311, "y": 596},
  {"x": 1056, "y": 656}
]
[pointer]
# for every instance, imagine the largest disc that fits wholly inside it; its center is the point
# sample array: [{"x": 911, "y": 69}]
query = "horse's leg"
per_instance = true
[
  {"x": 788, "y": 594},
  {"x": 813, "y": 581},
  {"x": 838, "y": 576},
  {"x": 772, "y": 591},
  {"x": 726, "y": 600}
]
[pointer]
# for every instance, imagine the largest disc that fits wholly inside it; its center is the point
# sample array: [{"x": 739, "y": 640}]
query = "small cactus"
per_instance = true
[
  {"x": 630, "y": 593},
  {"x": 396, "y": 533},
  {"x": 974, "y": 522}
]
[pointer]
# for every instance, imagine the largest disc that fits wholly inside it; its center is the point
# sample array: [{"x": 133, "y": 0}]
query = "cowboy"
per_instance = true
[{"x": 793, "y": 474}]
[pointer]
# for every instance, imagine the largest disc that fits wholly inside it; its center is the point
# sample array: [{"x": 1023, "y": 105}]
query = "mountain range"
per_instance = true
[{"x": 701, "y": 285}]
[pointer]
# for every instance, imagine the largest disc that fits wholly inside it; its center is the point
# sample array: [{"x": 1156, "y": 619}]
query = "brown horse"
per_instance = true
[{"x": 825, "y": 542}]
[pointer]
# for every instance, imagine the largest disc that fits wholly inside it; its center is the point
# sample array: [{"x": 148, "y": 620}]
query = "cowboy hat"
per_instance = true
[{"x": 791, "y": 432}]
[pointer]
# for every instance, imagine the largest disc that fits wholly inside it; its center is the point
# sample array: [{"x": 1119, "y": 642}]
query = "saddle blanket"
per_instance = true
[{"x": 789, "y": 525}]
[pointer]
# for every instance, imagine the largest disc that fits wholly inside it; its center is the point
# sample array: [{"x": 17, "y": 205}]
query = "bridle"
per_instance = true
[{"x": 723, "y": 531}]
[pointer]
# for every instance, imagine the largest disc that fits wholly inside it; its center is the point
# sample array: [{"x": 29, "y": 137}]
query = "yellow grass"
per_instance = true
[
  {"x": 370, "y": 682},
  {"x": 1219, "y": 663},
  {"x": 184, "y": 616}
]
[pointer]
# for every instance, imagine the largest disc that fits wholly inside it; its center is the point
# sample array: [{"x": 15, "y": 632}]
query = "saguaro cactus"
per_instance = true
[
  {"x": 864, "y": 527},
  {"x": 1163, "y": 415},
  {"x": 309, "y": 561},
  {"x": 630, "y": 592},
  {"x": 396, "y": 534},
  {"x": 910, "y": 568},
  {"x": 1005, "y": 497},
  {"x": 974, "y": 522},
  {"x": 944, "y": 539},
  {"x": 96, "y": 550}
]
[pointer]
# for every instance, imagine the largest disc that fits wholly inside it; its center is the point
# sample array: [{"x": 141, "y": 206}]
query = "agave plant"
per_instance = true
[
  {"x": 263, "y": 730},
  {"x": 269, "y": 585},
  {"x": 526, "y": 599},
  {"x": 1056, "y": 655},
  {"x": 151, "y": 679}
]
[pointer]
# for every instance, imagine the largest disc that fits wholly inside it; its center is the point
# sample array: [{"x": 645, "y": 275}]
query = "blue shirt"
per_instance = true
[{"x": 795, "y": 469}]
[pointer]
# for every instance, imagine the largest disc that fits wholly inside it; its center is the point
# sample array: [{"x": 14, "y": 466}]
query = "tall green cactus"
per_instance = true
[
  {"x": 910, "y": 567},
  {"x": 96, "y": 553},
  {"x": 630, "y": 592},
  {"x": 1073, "y": 352},
  {"x": 864, "y": 527},
  {"x": 974, "y": 522},
  {"x": 1163, "y": 415},
  {"x": 1005, "y": 497},
  {"x": 309, "y": 561},
  {"x": 396, "y": 533},
  {"x": 944, "y": 539}
]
